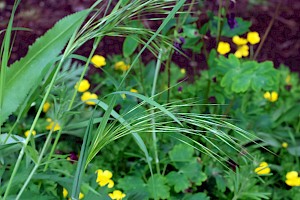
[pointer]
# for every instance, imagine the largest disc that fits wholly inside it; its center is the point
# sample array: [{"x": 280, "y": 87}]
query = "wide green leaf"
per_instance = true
[{"x": 26, "y": 73}]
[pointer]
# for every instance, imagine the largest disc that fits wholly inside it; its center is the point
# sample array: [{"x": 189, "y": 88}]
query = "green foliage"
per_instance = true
[
  {"x": 35, "y": 63},
  {"x": 249, "y": 75},
  {"x": 242, "y": 27},
  {"x": 186, "y": 138}
]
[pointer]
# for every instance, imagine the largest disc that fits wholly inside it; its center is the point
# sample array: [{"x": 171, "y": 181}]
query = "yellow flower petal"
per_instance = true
[
  {"x": 285, "y": 145},
  {"x": 117, "y": 195},
  {"x": 274, "y": 96},
  {"x": 81, "y": 195},
  {"x": 121, "y": 66},
  {"x": 46, "y": 107},
  {"x": 83, "y": 86},
  {"x": 223, "y": 48},
  {"x": 238, "y": 40},
  {"x": 267, "y": 95},
  {"x": 293, "y": 182},
  {"x": 27, "y": 133},
  {"x": 183, "y": 71},
  {"x": 86, "y": 96},
  {"x": 65, "y": 192},
  {"x": 98, "y": 61},
  {"x": 104, "y": 178},
  {"x": 133, "y": 90},
  {"x": 262, "y": 169},
  {"x": 242, "y": 51},
  {"x": 52, "y": 125},
  {"x": 253, "y": 37},
  {"x": 291, "y": 175}
]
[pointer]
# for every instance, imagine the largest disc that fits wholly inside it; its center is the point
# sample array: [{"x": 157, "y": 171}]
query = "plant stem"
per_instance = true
[
  {"x": 154, "y": 138},
  {"x": 168, "y": 65},
  {"x": 95, "y": 45},
  {"x": 219, "y": 22},
  {"x": 31, "y": 129},
  {"x": 267, "y": 31},
  {"x": 37, "y": 164}
]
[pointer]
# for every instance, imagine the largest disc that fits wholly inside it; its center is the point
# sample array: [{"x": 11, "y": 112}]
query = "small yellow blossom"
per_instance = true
[
  {"x": 27, "y": 133},
  {"x": 242, "y": 51},
  {"x": 285, "y": 145},
  {"x": 104, "y": 178},
  {"x": 81, "y": 195},
  {"x": 183, "y": 71},
  {"x": 133, "y": 90},
  {"x": 262, "y": 169},
  {"x": 253, "y": 37},
  {"x": 65, "y": 192},
  {"x": 288, "y": 79},
  {"x": 83, "y": 86},
  {"x": 272, "y": 97},
  {"x": 89, "y": 96},
  {"x": 239, "y": 41},
  {"x": 98, "y": 61},
  {"x": 46, "y": 107},
  {"x": 121, "y": 66},
  {"x": 52, "y": 125},
  {"x": 292, "y": 178},
  {"x": 223, "y": 48},
  {"x": 117, "y": 195}
]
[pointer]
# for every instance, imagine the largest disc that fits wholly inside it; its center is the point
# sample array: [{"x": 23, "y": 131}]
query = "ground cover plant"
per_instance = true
[{"x": 117, "y": 127}]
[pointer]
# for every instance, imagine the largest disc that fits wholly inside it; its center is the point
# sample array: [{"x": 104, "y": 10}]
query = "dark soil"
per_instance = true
[{"x": 282, "y": 44}]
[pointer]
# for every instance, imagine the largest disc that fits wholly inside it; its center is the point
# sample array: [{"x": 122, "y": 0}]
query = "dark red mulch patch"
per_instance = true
[{"x": 282, "y": 44}]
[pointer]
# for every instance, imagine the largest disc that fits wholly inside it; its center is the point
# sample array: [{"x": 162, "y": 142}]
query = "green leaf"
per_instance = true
[
  {"x": 242, "y": 27},
  {"x": 197, "y": 196},
  {"x": 192, "y": 171},
  {"x": 34, "y": 155},
  {"x": 190, "y": 31},
  {"x": 130, "y": 44},
  {"x": 131, "y": 182},
  {"x": 181, "y": 153},
  {"x": 179, "y": 181},
  {"x": 158, "y": 188},
  {"x": 25, "y": 73}
]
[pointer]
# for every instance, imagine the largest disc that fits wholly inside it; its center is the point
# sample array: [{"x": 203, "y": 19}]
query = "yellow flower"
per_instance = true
[
  {"x": 121, "y": 66},
  {"x": 285, "y": 145},
  {"x": 288, "y": 79},
  {"x": 83, "y": 86},
  {"x": 81, "y": 196},
  {"x": 46, "y": 107},
  {"x": 89, "y": 96},
  {"x": 242, "y": 51},
  {"x": 239, "y": 41},
  {"x": 104, "y": 178},
  {"x": 27, "y": 133},
  {"x": 253, "y": 37},
  {"x": 133, "y": 90},
  {"x": 223, "y": 48},
  {"x": 262, "y": 169},
  {"x": 292, "y": 178},
  {"x": 98, "y": 61},
  {"x": 65, "y": 192},
  {"x": 183, "y": 71},
  {"x": 52, "y": 125},
  {"x": 117, "y": 195},
  {"x": 272, "y": 97}
]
